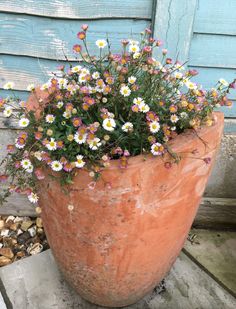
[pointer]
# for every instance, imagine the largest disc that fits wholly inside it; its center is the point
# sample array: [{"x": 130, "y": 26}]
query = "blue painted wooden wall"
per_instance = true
[{"x": 35, "y": 34}]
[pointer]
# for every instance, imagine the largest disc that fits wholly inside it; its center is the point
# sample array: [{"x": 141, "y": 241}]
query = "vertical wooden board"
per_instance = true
[
  {"x": 53, "y": 38},
  {"x": 75, "y": 9},
  {"x": 215, "y": 16},
  {"x": 174, "y": 24}
]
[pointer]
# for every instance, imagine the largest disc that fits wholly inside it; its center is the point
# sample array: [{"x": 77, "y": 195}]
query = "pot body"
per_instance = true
[{"x": 114, "y": 243}]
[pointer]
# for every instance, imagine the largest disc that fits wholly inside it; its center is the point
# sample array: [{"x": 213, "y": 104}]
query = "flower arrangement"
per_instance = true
[{"x": 108, "y": 107}]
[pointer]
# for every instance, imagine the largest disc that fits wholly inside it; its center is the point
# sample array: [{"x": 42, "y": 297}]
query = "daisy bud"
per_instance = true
[
  {"x": 164, "y": 51},
  {"x": 84, "y": 27},
  {"x": 77, "y": 48}
]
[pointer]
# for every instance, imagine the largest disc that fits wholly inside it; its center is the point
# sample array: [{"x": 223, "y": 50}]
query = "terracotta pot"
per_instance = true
[{"x": 114, "y": 243}]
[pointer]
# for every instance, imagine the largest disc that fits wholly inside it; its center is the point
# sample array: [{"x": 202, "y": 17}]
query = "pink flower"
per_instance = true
[
  {"x": 10, "y": 148},
  {"x": 193, "y": 72},
  {"x": 147, "y": 49},
  {"x": 84, "y": 27},
  {"x": 77, "y": 48},
  {"x": 147, "y": 30},
  {"x": 164, "y": 51},
  {"x": 81, "y": 35},
  {"x": 126, "y": 153},
  {"x": 3, "y": 178},
  {"x": 39, "y": 173}
]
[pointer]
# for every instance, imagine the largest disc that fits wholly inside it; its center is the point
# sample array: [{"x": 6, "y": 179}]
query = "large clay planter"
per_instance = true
[{"x": 115, "y": 242}]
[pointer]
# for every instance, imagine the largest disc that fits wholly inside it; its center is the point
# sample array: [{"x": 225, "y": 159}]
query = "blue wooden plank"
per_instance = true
[
  {"x": 51, "y": 38},
  {"x": 23, "y": 95},
  {"x": 215, "y": 16},
  {"x": 174, "y": 24},
  {"x": 213, "y": 51},
  {"x": 82, "y": 9},
  {"x": 230, "y": 126},
  {"x": 25, "y": 70}
]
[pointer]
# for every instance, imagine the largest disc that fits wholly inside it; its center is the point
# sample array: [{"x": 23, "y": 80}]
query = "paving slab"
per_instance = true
[
  {"x": 36, "y": 283},
  {"x": 215, "y": 251},
  {"x": 2, "y": 303}
]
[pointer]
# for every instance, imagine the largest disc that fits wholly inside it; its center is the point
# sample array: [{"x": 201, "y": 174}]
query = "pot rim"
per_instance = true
[{"x": 176, "y": 144}]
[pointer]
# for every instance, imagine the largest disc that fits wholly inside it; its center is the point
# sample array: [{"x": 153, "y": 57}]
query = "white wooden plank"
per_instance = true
[{"x": 82, "y": 9}]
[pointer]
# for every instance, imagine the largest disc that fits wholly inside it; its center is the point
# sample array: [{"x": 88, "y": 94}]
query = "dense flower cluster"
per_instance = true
[{"x": 108, "y": 107}]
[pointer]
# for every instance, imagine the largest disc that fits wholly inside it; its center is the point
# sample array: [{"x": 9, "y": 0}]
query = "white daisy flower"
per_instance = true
[
  {"x": 154, "y": 126},
  {"x": 30, "y": 169},
  {"x": 156, "y": 150},
  {"x": 132, "y": 80},
  {"x": 224, "y": 82},
  {"x": 76, "y": 69},
  {"x": 56, "y": 166},
  {"x": 85, "y": 71},
  {"x": 95, "y": 75},
  {"x": 45, "y": 86},
  {"x": 60, "y": 104},
  {"x": 178, "y": 75},
  {"x": 127, "y": 127},
  {"x": 51, "y": 145},
  {"x": 184, "y": 115},
  {"x": 138, "y": 101},
  {"x": 95, "y": 143},
  {"x": 24, "y": 122},
  {"x": 125, "y": 91},
  {"x": 33, "y": 198},
  {"x": 174, "y": 118},
  {"x": 67, "y": 114},
  {"x": 38, "y": 155},
  {"x": 8, "y": 86},
  {"x": 109, "y": 124},
  {"x": 80, "y": 138},
  {"x": 144, "y": 108},
  {"x": 31, "y": 87},
  {"x": 7, "y": 111},
  {"x": 79, "y": 161},
  {"x": 134, "y": 48},
  {"x": 62, "y": 83},
  {"x": 190, "y": 85},
  {"x": 50, "y": 118},
  {"x": 82, "y": 78},
  {"x": 101, "y": 43},
  {"x": 26, "y": 164},
  {"x": 136, "y": 55}
]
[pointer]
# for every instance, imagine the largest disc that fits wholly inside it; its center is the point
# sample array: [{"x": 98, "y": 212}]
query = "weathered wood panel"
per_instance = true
[
  {"x": 52, "y": 38},
  {"x": 173, "y": 24},
  {"x": 216, "y": 213},
  {"x": 210, "y": 50},
  {"x": 216, "y": 17},
  {"x": 23, "y": 95},
  {"x": 81, "y": 9}
]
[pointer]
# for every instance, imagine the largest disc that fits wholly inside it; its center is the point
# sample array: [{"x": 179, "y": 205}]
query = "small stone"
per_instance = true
[
  {"x": 32, "y": 231},
  {"x": 2, "y": 224},
  {"x": 20, "y": 254},
  {"x": 10, "y": 218},
  {"x": 1, "y": 245},
  {"x": 5, "y": 232},
  {"x": 38, "y": 210},
  {"x": 39, "y": 222},
  {"x": 25, "y": 225},
  {"x": 7, "y": 252},
  {"x": 19, "y": 232},
  {"x": 40, "y": 230},
  {"x": 14, "y": 226},
  {"x": 18, "y": 219},
  {"x": 22, "y": 238},
  {"x": 35, "y": 249},
  {"x": 4, "y": 261}
]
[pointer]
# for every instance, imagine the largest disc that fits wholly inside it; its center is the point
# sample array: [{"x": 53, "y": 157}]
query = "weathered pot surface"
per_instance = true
[{"x": 115, "y": 242}]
